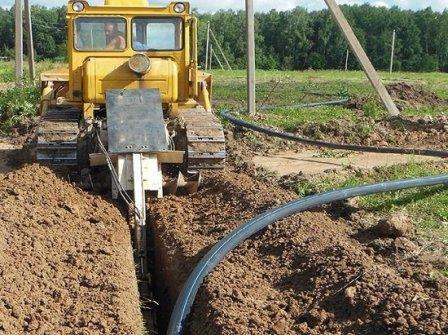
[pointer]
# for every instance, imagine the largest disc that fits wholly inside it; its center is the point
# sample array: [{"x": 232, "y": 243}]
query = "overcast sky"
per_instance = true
[{"x": 212, "y": 5}]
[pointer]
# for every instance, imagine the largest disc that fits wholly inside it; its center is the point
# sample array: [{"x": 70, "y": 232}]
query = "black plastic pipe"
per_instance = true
[
  {"x": 324, "y": 144},
  {"x": 239, "y": 235},
  {"x": 308, "y": 105}
]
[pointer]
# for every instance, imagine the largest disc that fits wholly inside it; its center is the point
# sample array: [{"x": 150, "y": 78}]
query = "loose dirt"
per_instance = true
[
  {"x": 413, "y": 95},
  {"x": 66, "y": 264},
  {"x": 7, "y": 150},
  {"x": 310, "y": 274}
]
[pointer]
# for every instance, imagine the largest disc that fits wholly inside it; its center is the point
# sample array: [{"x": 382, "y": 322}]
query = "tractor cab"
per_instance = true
[{"x": 131, "y": 45}]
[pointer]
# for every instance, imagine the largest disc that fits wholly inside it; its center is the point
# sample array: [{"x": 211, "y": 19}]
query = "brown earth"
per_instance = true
[
  {"x": 413, "y": 95},
  {"x": 310, "y": 274},
  {"x": 66, "y": 264}
]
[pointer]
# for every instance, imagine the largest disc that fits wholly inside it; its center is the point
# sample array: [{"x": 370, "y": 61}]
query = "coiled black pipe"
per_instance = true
[
  {"x": 324, "y": 144},
  {"x": 239, "y": 235}
]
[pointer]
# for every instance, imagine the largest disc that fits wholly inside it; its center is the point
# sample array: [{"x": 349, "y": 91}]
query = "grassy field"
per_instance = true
[
  {"x": 427, "y": 206},
  {"x": 282, "y": 88}
]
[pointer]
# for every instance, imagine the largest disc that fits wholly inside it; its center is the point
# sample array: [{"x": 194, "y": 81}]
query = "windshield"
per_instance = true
[
  {"x": 100, "y": 34},
  {"x": 158, "y": 34}
]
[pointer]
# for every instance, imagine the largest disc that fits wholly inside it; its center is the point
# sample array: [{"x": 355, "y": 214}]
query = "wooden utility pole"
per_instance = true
[
  {"x": 250, "y": 19},
  {"x": 362, "y": 57},
  {"x": 210, "y": 61},
  {"x": 346, "y": 60},
  {"x": 392, "y": 53},
  {"x": 220, "y": 49},
  {"x": 217, "y": 59},
  {"x": 207, "y": 47},
  {"x": 30, "y": 41},
  {"x": 19, "y": 42}
]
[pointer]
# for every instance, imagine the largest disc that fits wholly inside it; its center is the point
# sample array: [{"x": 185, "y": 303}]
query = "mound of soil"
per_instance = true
[
  {"x": 416, "y": 132},
  {"x": 309, "y": 274},
  {"x": 413, "y": 95},
  {"x": 66, "y": 264}
]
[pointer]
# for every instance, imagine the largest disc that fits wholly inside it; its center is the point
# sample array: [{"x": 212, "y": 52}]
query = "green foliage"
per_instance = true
[
  {"x": 17, "y": 104},
  {"x": 6, "y": 73},
  {"x": 300, "y": 40},
  {"x": 286, "y": 40}
]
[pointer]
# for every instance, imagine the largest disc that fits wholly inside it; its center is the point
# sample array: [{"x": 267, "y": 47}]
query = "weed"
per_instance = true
[{"x": 17, "y": 104}]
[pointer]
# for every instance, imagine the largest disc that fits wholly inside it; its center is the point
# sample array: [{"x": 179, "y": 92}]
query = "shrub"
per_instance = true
[{"x": 16, "y": 105}]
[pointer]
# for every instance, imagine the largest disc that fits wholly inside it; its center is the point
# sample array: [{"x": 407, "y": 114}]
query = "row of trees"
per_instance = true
[
  {"x": 293, "y": 40},
  {"x": 49, "y": 30},
  {"x": 298, "y": 39}
]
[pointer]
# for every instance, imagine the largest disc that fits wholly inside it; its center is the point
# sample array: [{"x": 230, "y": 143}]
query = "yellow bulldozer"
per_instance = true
[{"x": 132, "y": 98}]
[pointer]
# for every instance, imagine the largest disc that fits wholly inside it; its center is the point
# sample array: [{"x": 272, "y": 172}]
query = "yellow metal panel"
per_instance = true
[
  {"x": 126, "y": 3},
  {"x": 60, "y": 74},
  {"x": 103, "y": 74}
]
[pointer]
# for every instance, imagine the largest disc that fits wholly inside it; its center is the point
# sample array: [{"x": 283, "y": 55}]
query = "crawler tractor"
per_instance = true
[{"x": 132, "y": 99}]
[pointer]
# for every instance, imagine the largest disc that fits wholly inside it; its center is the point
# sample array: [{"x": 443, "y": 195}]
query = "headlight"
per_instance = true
[
  {"x": 140, "y": 63},
  {"x": 179, "y": 7},
  {"x": 78, "y": 6}
]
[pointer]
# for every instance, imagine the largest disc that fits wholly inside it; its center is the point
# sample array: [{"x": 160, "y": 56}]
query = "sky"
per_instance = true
[{"x": 264, "y": 5}]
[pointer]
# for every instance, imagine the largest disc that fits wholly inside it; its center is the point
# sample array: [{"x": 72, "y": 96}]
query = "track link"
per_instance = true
[
  {"x": 206, "y": 143},
  {"x": 57, "y": 137}
]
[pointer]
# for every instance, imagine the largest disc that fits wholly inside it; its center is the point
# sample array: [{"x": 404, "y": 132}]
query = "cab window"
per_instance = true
[
  {"x": 100, "y": 34},
  {"x": 157, "y": 34}
]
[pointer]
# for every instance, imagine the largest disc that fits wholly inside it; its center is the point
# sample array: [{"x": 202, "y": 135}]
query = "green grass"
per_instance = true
[
  {"x": 7, "y": 70},
  {"x": 428, "y": 206},
  {"x": 279, "y": 88}
]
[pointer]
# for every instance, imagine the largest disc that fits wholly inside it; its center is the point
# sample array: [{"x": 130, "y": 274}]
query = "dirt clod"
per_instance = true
[{"x": 397, "y": 224}]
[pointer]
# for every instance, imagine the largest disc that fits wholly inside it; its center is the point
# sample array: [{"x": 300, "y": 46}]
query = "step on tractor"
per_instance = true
[{"x": 132, "y": 100}]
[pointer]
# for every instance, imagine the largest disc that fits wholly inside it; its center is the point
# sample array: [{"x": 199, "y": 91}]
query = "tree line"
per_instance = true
[{"x": 287, "y": 40}]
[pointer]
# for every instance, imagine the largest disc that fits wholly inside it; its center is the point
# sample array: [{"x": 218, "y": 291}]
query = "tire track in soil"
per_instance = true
[
  {"x": 66, "y": 264},
  {"x": 309, "y": 274}
]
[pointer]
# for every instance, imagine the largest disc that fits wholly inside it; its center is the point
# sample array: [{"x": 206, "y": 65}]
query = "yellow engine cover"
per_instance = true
[
  {"x": 126, "y": 3},
  {"x": 103, "y": 74}
]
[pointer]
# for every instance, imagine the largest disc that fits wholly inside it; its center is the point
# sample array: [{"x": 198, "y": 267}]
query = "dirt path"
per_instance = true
[
  {"x": 312, "y": 274},
  {"x": 312, "y": 162},
  {"x": 66, "y": 264}
]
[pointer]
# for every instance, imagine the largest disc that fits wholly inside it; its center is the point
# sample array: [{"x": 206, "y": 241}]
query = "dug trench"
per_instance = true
[{"x": 314, "y": 273}]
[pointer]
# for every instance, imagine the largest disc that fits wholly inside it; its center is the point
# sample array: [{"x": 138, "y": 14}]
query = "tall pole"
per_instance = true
[
  {"x": 30, "y": 41},
  {"x": 392, "y": 53},
  {"x": 220, "y": 49},
  {"x": 210, "y": 61},
  {"x": 250, "y": 19},
  {"x": 346, "y": 60},
  {"x": 362, "y": 57},
  {"x": 19, "y": 42},
  {"x": 217, "y": 59},
  {"x": 207, "y": 46}
]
